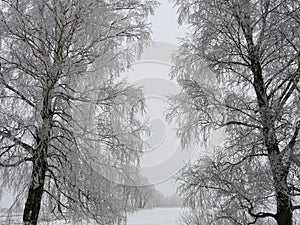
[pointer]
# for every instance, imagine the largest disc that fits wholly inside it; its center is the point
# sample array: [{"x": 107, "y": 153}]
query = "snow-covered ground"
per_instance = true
[{"x": 156, "y": 216}]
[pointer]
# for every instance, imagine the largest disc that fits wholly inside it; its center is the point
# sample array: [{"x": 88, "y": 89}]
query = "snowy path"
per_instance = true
[{"x": 156, "y": 216}]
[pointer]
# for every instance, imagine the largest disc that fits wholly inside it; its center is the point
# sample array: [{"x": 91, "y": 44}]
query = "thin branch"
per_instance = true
[
  {"x": 8, "y": 165},
  {"x": 17, "y": 141}
]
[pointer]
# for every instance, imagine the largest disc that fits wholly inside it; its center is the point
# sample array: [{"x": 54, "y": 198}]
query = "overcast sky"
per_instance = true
[
  {"x": 164, "y": 23},
  {"x": 165, "y": 156}
]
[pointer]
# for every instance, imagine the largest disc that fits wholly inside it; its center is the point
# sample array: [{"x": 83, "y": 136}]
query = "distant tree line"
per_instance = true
[{"x": 147, "y": 196}]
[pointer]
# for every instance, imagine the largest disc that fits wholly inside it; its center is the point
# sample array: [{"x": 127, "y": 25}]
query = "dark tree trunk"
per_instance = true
[
  {"x": 284, "y": 210},
  {"x": 39, "y": 168},
  {"x": 284, "y": 215},
  {"x": 140, "y": 203},
  {"x": 35, "y": 193}
]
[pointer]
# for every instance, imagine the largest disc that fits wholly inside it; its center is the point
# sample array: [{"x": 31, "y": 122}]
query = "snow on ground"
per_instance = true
[{"x": 156, "y": 216}]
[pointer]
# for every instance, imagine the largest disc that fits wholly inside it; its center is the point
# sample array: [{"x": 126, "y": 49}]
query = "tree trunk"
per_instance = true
[
  {"x": 39, "y": 169},
  {"x": 35, "y": 193},
  {"x": 280, "y": 172},
  {"x": 140, "y": 203},
  {"x": 284, "y": 214}
]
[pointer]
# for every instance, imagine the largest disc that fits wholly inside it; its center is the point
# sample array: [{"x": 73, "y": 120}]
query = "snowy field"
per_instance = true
[{"x": 156, "y": 216}]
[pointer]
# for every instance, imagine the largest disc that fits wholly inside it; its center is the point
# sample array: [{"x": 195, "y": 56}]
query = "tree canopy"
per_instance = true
[
  {"x": 239, "y": 69},
  {"x": 65, "y": 118}
]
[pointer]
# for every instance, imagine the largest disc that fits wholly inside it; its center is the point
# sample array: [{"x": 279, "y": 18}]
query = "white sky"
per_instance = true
[
  {"x": 165, "y": 156},
  {"x": 164, "y": 23}
]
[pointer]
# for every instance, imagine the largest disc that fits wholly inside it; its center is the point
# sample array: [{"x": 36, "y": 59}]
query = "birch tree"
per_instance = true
[
  {"x": 250, "y": 90},
  {"x": 50, "y": 53}
]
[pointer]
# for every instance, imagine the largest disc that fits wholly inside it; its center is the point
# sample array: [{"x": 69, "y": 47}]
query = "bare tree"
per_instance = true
[
  {"x": 49, "y": 52},
  {"x": 250, "y": 90}
]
